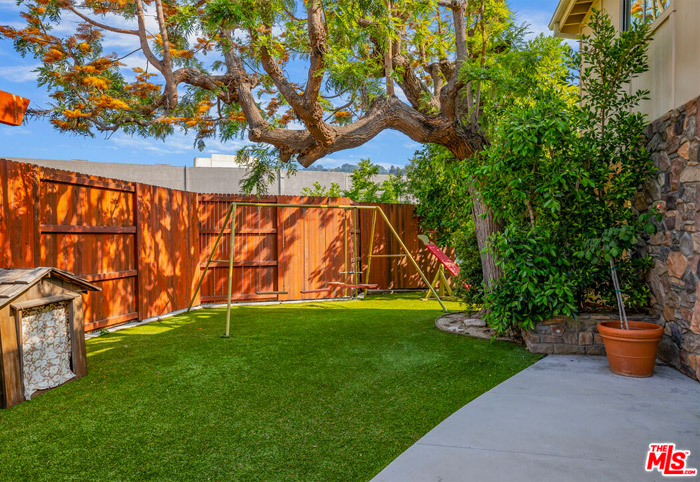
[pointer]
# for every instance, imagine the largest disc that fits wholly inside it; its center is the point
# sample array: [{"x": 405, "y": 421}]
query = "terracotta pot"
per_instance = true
[{"x": 632, "y": 352}]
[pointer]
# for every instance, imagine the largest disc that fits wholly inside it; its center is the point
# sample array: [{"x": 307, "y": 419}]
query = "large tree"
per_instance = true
[{"x": 305, "y": 79}]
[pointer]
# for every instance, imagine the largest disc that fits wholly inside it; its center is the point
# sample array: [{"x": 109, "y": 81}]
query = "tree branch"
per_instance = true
[
  {"x": 310, "y": 113},
  {"x": 391, "y": 113},
  {"x": 101, "y": 25},
  {"x": 170, "y": 84},
  {"x": 143, "y": 38},
  {"x": 317, "y": 40}
]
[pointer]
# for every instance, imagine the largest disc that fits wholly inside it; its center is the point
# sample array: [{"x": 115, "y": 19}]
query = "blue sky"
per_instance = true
[{"x": 38, "y": 139}]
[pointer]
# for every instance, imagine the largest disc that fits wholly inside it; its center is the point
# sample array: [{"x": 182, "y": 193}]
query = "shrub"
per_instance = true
[{"x": 560, "y": 176}]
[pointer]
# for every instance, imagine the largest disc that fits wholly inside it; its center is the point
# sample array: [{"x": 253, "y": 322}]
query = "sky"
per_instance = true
[{"x": 38, "y": 139}]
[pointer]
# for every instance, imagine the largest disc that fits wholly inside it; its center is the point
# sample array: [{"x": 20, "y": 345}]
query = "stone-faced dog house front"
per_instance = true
[{"x": 42, "y": 340}]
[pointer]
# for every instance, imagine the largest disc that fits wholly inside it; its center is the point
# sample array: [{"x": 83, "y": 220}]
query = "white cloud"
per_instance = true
[
  {"x": 400, "y": 93},
  {"x": 538, "y": 23},
  {"x": 10, "y": 5},
  {"x": 331, "y": 162},
  {"x": 296, "y": 125},
  {"x": 537, "y": 20},
  {"x": 17, "y": 131},
  {"x": 19, "y": 73}
]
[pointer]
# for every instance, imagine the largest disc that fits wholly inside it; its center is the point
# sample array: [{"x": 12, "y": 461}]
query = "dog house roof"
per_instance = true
[{"x": 14, "y": 282}]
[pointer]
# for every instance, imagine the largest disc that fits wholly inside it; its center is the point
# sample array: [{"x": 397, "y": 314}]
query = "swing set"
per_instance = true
[{"x": 352, "y": 272}]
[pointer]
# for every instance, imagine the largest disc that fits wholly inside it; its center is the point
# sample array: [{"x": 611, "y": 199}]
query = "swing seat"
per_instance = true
[
  {"x": 359, "y": 286},
  {"x": 316, "y": 290}
]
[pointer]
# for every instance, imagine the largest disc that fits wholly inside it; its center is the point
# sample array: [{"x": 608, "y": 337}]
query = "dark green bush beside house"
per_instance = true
[{"x": 562, "y": 176}]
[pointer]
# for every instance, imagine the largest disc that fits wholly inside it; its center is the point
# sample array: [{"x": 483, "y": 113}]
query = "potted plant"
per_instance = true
[
  {"x": 629, "y": 345},
  {"x": 613, "y": 139}
]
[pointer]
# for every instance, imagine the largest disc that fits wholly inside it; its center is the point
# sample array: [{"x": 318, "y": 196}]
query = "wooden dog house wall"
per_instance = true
[{"x": 55, "y": 297}]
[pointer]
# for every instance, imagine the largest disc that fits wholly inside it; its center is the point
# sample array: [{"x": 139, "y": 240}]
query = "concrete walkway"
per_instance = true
[{"x": 565, "y": 418}]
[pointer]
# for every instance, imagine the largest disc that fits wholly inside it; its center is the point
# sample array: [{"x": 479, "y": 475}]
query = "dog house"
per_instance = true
[{"x": 42, "y": 340}]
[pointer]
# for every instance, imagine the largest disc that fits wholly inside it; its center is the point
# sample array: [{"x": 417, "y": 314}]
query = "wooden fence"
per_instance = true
[
  {"x": 293, "y": 252},
  {"x": 145, "y": 246},
  {"x": 132, "y": 240}
]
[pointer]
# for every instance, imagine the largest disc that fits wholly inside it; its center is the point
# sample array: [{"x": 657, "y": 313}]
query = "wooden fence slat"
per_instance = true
[
  {"x": 19, "y": 234},
  {"x": 167, "y": 260},
  {"x": 61, "y": 228}
]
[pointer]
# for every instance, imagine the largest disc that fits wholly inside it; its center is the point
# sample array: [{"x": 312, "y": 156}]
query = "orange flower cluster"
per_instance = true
[
  {"x": 63, "y": 125},
  {"x": 287, "y": 117},
  {"x": 53, "y": 55},
  {"x": 103, "y": 7},
  {"x": 108, "y": 102},
  {"x": 96, "y": 82},
  {"x": 272, "y": 106},
  {"x": 174, "y": 51},
  {"x": 171, "y": 120},
  {"x": 75, "y": 114},
  {"x": 204, "y": 45}
]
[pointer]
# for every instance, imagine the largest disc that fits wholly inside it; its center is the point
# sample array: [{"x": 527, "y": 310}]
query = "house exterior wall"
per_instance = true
[
  {"x": 674, "y": 63},
  {"x": 674, "y": 280}
]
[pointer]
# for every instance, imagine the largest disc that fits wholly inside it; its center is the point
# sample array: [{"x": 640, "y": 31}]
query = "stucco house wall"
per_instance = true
[{"x": 674, "y": 63}]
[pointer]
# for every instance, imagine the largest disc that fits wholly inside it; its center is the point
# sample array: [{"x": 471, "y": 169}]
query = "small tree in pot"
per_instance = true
[
  {"x": 565, "y": 163},
  {"x": 614, "y": 142}
]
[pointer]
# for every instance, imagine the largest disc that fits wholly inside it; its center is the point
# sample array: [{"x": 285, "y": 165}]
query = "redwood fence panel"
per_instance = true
[
  {"x": 279, "y": 252},
  {"x": 87, "y": 226},
  {"x": 255, "y": 249},
  {"x": 310, "y": 248},
  {"x": 19, "y": 229},
  {"x": 167, "y": 240},
  {"x": 145, "y": 246}
]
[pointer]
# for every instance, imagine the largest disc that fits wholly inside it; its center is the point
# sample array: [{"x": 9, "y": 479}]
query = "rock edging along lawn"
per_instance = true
[{"x": 461, "y": 324}]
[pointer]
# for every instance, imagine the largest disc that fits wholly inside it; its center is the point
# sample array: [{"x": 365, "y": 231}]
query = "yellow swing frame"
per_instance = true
[{"x": 231, "y": 217}]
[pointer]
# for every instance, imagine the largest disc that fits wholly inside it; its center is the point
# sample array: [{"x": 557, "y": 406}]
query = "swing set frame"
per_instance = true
[{"x": 231, "y": 218}]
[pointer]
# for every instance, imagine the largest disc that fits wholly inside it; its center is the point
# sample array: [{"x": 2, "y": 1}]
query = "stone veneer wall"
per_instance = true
[
  {"x": 674, "y": 143},
  {"x": 564, "y": 335}
]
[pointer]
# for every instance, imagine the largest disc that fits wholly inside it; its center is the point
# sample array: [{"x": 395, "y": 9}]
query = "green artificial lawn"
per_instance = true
[{"x": 306, "y": 392}]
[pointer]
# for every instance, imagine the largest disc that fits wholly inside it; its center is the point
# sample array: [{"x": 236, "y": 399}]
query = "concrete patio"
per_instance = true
[{"x": 566, "y": 418}]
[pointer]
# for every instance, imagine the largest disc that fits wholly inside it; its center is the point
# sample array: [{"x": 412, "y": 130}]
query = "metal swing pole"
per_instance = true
[
  {"x": 230, "y": 270},
  {"x": 211, "y": 257},
  {"x": 345, "y": 259},
  {"x": 371, "y": 248},
  {"x": 410, "y": 256}
]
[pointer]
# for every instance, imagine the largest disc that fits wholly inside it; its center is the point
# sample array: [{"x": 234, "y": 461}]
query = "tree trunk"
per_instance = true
[{"x": 484, "y": 226}]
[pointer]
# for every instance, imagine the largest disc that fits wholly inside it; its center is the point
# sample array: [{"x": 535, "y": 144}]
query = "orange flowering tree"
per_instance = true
[{"x": 302, "y": 80}]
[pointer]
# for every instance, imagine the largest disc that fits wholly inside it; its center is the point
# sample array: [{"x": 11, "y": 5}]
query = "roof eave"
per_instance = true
[{"x": 562, "y": 7}]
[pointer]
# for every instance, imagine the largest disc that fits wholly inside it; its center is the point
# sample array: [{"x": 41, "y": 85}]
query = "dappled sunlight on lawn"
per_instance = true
[{"x": 320, "y": 391}]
